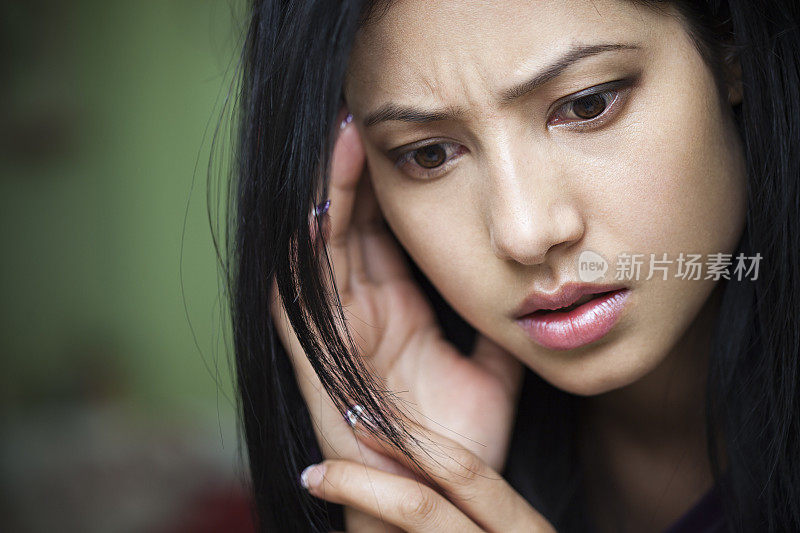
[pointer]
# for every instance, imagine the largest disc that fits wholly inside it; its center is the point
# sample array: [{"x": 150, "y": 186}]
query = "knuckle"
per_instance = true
[
  {"x": 469, "y": 467},
  {"x": 420, "y": 507}
]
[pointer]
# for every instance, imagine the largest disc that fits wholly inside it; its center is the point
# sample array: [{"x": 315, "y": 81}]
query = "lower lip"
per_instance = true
[{"x": 573, "y": 329}]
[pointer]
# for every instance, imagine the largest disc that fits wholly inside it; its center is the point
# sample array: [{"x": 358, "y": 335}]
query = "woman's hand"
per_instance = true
[
  {"x": 462, "y": 493},
  {"x": 472, "y": 399}
]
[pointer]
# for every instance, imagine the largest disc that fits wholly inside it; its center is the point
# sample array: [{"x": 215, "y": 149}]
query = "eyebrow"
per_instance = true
[{"x": 390, "y": 111}]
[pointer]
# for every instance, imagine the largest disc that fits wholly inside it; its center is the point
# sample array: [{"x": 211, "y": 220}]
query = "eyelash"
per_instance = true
[
  {"x": 454, "y": 152},
  {"x": 616, "y": 92},
  {"x": 613, "y": 96}
]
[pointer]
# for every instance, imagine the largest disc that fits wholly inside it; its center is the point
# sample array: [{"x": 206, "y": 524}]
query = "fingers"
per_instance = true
[
  {"x": 346, "y": 170},
  {"x": 399, "y": 501},
  {"x": 361, "y": 246},
  {"x": 333, "y": 434},
  {"x": 463, "y": 477},
  {"x": 346, "y": 166},
  {"x": 346, "y": 255},
  {"x": 357, "y": 521}
]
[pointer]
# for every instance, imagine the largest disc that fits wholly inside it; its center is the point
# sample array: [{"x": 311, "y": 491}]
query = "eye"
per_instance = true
[
  {"x": 428, "y": 160},
  {"x": 431, "y": 156},
  {"x": 592, "y": 107},
  {"x": 589, "y": 106},
  {"x": 584, "y": 109}
]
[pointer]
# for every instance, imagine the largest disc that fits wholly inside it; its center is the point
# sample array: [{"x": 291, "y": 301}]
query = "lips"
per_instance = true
[
  {"x": 582, "y": 300},
  {"x": 567, "y": 295},
  {"x": 575, "y": 316}
]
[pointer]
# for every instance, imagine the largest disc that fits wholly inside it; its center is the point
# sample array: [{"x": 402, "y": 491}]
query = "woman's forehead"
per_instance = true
[{"x": 418, "y": 48}]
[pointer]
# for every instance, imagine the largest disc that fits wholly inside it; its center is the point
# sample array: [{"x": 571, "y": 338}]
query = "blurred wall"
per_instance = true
[{"x": 106, "y": 119}]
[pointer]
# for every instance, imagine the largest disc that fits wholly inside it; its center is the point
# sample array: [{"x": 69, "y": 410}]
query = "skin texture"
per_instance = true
[{"x": 525, "y": 194}]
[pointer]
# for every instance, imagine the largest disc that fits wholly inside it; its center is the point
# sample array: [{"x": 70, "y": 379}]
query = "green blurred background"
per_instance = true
[{"x": 113, "y": 418}]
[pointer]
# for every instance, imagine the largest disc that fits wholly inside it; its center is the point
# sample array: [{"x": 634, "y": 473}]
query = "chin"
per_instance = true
[
  {"x": 596, "y": 386},
  {"x": 595, "y": 372}
]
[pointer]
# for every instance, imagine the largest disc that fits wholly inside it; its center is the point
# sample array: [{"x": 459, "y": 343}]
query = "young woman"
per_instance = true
[{"x": 519, "y": 266}]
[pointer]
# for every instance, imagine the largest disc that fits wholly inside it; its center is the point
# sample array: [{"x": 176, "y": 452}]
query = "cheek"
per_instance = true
[{"x": 682, "y": 186}]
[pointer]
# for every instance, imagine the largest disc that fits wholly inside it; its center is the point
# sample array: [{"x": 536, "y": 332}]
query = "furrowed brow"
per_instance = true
[
  {"x": 555, "y": 69},
  {"x": 414, "y": 115}
]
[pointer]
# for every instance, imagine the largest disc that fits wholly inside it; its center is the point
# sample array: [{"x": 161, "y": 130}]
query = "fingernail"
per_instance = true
[
  {"x": 345, "y": 121},
  {"x": 355, "y": 413},
  {"x": 311, "y": 476},
  {"x": 322, "y": 208}
]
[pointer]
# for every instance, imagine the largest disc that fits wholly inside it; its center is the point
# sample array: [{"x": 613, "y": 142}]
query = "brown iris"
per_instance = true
[
  {"x": 589, "y": 106},
  {"x": 430, "y": 156}
]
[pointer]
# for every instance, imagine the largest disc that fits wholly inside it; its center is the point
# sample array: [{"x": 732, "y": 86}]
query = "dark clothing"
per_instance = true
[{"x": 706, "y": 516}]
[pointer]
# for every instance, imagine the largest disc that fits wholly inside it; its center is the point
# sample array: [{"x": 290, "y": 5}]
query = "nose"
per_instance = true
[{"x": 529, "y": 211}]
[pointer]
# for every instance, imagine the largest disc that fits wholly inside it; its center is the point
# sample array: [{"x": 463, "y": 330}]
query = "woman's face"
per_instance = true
[{"x": 496, "y": 184}]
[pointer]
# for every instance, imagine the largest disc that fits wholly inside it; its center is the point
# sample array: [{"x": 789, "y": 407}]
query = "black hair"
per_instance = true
[{"x": 293, "y": 67}]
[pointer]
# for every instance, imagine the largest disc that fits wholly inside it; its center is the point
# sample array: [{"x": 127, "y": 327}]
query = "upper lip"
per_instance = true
[{"x": 566, "y": 295}]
